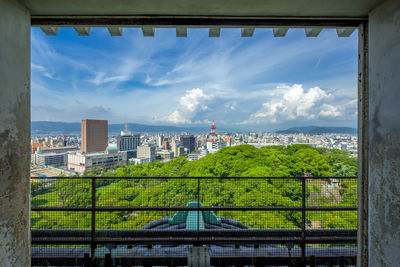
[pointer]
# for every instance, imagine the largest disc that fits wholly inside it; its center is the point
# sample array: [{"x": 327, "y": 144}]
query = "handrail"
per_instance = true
[{"x": 95, "y": 236}]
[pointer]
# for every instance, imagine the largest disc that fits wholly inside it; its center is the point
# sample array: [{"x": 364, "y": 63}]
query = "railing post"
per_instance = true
[
  {"x": 198, "y": 208},
  {"x": 303, "y": 220},
  {"x": 107, "y": 260},
  {"x": 341, "y": 261},
  {"x": 93, "y": 226},
  {"x": 86, "y": 260},
  {"x": 312, "y": 261}
]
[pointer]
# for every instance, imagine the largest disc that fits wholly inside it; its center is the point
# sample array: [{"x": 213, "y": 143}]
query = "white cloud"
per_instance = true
[
  {"x": 37, "y": 67},
  {"x": 102, "y": 78},
  {"x": 234, "y": 80},
  {"x": 296, "y": 103},
  {"x": 329, "y": 111},
  {"x": 122, "y": 71},
  {"x": 42, "y": 70},
  {"x": 193, "y": 101}
]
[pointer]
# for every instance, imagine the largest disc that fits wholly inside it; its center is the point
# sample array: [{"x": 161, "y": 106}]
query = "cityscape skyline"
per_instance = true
[
  {"x": 48, "y": 128},
  {"x": 102, "y": 151},
  {"x": 254, "y": 83}
]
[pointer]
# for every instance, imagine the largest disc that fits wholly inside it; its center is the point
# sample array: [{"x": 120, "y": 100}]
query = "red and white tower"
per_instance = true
[
  {"x": 213, "y": 137},
  {"x": 212, "y": 143},
  {"x": 126, "y": 131}
]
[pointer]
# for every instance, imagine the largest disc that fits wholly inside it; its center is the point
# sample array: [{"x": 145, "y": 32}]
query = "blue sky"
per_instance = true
[{"x": 258, "y": 83}]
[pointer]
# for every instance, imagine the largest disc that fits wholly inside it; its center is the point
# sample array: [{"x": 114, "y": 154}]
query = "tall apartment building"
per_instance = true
[
  {"x": 188, "y": 142},
  {"x": 94, "y": 136}
]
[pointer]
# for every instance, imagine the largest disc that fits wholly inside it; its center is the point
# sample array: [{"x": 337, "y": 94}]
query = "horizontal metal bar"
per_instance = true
[
  {"x": 75, "y": 233},
  {"x": 174, "y": 178},
  {"x": 195, "y": 21},
  {"x": 186, "y": 208},
  {"x": 64, "y": 260},
  {"x": 330, "y": 208},
  {"x": 216, "y": 240},
  {"x": 171, "y": 260},
  {"x": 61, "y": 209},
  {"x": 195, "y": 240}
]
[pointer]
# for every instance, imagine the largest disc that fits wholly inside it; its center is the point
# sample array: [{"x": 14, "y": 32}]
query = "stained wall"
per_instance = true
[
  {"x": 384, "y": 135},
  {"x": 14, "y": 134}
]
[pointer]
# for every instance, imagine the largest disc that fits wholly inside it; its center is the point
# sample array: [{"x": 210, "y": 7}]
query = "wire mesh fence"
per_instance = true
[{"x": 265, "y": 216}]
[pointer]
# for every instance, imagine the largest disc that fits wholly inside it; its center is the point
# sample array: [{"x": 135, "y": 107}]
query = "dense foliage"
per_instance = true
[{"x": 239, "y": 161}]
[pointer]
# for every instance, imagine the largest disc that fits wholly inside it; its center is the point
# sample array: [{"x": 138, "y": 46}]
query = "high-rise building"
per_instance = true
[
  {"x": 166, "y": 144},
  {"x": 188, "y": 142},
  {"x": 128, "y": 142},
  {"x": 94, "y": 136},
  {"x": 174, "y": 147},
  {"x": 160, "y": 140}
]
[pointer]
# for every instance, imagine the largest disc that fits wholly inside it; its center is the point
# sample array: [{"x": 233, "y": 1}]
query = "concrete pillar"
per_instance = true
[
  {"x": 14, "y": 134},
  {"x": 384, "y": 135}
]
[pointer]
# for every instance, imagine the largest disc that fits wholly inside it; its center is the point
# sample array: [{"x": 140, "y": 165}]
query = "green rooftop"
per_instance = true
[{"x": 195, "y": 219}]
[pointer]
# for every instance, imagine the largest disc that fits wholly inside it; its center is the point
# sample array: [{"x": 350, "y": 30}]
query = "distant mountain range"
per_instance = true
[
  {"x": 74, "y": 128},
  {"x": 319, "y": 130}
]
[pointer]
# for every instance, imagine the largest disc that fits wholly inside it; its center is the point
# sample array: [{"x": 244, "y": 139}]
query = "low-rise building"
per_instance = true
[
  {"x": 197, "y": 156},
  {"x": 146, "y": 151},
  {"x": 83, "y": 162},
  {"x": 213, "y": 147},
  {"x": 136, "y": 161},
  {"x": 53, "y": 155},
  {"x": 165, "y": 155}
]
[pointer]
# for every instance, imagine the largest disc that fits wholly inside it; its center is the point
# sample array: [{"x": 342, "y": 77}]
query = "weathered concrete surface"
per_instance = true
[
  {"x": 384, "y": 135},
  {"x": 14, "y": 134},
  {"x": 363, "y": 118},
  {"x": 343, "y": 8}
]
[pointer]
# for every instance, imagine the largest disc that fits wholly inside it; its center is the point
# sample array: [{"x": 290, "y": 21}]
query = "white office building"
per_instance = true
[
  {"x": 83, "y": 162},
  {"x": 53, "y": 156}
]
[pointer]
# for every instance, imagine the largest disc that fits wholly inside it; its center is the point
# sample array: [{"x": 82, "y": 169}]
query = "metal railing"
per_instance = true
[{"x": 302, "y": 236}]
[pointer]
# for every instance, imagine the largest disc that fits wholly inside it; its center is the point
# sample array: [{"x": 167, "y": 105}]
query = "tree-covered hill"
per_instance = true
[
  {"x": 319, "y": 130},
  {"x": 239, "y": 161}
]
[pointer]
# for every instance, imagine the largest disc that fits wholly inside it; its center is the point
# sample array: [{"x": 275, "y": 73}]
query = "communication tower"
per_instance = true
[
  {"x": 126, "y": 131},
  {"x": 213, "y": 134}
]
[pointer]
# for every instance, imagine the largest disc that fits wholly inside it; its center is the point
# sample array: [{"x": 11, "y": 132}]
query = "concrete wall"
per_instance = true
[
  {"x": 384, "y": 135},
  {"x": 14, "y": 134}
]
